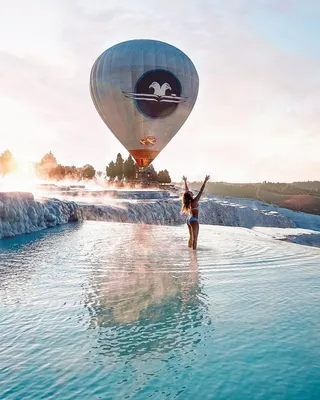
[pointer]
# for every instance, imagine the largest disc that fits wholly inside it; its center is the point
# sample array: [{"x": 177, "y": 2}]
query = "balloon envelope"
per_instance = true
[{"x": 144, "y": 90}]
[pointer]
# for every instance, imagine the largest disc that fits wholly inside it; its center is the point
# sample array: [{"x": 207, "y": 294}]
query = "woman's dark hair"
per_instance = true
[{"x": 186, "y": 202}]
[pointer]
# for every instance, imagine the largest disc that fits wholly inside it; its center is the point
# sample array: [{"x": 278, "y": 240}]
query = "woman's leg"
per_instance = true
[
  {"x": 190, "y": 236},
  {"x": 195, "y": 233}
]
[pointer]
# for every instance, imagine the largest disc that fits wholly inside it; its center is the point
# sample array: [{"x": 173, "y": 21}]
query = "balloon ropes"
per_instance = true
[{"x": 144, "y": 90}]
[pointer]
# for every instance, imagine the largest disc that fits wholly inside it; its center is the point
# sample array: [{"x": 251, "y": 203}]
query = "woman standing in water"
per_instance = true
[{"x": 190, "y": 206}]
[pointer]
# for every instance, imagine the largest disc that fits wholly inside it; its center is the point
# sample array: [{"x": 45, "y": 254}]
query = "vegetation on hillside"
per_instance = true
[
  {"x": 117, "y": 171},
  {"x": 298, "y": 196}
]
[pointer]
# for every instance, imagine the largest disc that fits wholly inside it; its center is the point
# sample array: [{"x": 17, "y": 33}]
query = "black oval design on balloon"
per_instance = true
[{"x": 157, "y": 109}]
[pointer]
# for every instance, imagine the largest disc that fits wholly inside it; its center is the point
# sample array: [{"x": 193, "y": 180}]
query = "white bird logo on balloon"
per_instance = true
[{"x": 159, "y": 94}]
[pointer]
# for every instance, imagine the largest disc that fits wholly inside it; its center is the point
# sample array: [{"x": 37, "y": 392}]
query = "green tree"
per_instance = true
[
  {"x": 111, "y": 171},
  {"x": 119, "y": 167},
  {"x": 164, "y": 177},
  {"x": 59, "y": 172},
  {"x": 47, "y": 166},
  {"x": 88, "y": 172},
  {"x": 7, "y": 162},
  {"x": 152, "y": 173},
  {"x": 129, "y": 168},
  {"x": 48, "y": 161},
  {"x": 73, "y": 172}
]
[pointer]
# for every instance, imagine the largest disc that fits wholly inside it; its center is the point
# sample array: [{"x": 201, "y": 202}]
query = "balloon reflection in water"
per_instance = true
[{"x": 147, "y": 298}]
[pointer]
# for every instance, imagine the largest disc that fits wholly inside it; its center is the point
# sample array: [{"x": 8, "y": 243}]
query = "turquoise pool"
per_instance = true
[{"x": 124, "y": 311}]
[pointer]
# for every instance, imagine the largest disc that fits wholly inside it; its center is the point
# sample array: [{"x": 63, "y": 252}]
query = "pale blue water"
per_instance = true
[{"x": 121, "y": 311}]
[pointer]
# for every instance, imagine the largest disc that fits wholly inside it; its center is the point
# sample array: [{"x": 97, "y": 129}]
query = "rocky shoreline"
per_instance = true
[{"x": 21, "y": 213}]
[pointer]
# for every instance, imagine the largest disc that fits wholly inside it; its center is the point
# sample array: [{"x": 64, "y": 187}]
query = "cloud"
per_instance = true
[{"x": 253, "y": 98}]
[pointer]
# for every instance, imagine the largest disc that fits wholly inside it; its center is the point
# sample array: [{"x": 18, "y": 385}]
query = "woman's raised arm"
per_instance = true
[
  {"x": 197, "y": 198},
  {"x": 185, "y": 183}
]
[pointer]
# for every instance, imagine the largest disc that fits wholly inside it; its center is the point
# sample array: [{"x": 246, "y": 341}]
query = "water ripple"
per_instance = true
[{"x": 105, "y": 310}]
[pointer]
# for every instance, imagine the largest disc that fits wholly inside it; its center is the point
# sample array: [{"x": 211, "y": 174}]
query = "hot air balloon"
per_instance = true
[{"x": 144, "y": 90}]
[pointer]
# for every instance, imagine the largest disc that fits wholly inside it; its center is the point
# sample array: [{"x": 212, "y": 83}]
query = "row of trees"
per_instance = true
[
  {"x": 49, "y": 168},
  {"x": 291, "y": 188},
  {"x": 128, "y": 170},
  {"x": 119, "y": 170},
  {"x": 122, "y": 169}
]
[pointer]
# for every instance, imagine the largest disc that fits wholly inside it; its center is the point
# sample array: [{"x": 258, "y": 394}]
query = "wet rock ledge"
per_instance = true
[{"x": 20, "y": 213}]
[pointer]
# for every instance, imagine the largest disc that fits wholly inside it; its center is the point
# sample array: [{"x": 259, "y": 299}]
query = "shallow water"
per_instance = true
[{"x": 115, "y": 311}]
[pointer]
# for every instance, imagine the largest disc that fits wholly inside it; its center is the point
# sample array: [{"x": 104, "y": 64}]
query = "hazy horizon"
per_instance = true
[{"x": 257, "y": 113}]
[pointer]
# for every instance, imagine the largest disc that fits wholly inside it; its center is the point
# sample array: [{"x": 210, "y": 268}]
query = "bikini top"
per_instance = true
[{"x": 196, "y": 208}]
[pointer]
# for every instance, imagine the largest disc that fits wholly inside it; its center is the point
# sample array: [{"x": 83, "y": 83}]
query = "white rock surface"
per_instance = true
[
  {"x": 20, "y": 213},
  {"x": 167, "y": 212}
]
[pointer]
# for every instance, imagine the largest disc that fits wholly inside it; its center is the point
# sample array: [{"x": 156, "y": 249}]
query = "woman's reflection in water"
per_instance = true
[{"x": 147, "y": 297}]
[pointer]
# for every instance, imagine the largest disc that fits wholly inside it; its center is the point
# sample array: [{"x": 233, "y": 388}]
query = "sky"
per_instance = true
[{"x": 257, "y": 116}]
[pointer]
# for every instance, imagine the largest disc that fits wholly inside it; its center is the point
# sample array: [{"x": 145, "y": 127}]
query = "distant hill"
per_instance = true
[
  {"x": 297, "y": 196},
  {"x": 310, "y": 185}
]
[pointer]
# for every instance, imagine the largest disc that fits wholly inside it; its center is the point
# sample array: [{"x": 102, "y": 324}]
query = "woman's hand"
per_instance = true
[
  {"x": 184, "y": 178},
  {"x": 207, "y": 178}
]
